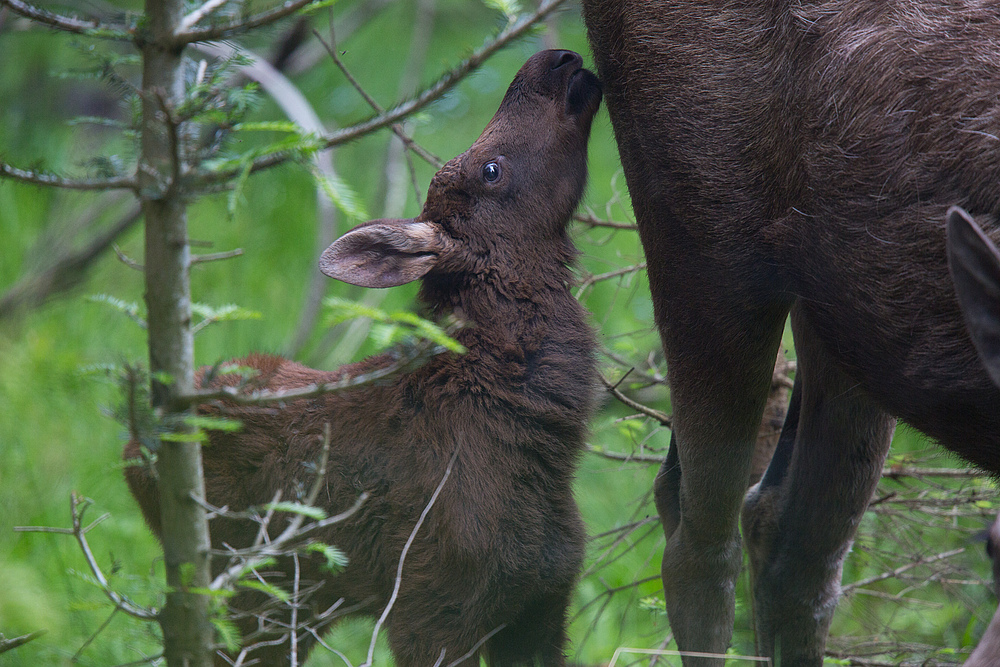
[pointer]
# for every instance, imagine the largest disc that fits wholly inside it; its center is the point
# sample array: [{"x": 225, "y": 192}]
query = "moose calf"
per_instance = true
[{"x": 498, "y": 554}]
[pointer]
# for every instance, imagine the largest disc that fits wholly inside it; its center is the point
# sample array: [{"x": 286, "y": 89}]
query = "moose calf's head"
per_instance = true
[{"x": 500, "y": 208}]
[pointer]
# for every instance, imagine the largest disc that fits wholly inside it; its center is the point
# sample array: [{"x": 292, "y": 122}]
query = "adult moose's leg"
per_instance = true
[
  {"x": 720, "y": 373},
  {"x": 800, "y": 520}
]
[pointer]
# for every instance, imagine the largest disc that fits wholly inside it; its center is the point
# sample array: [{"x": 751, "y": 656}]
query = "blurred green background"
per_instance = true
[{"x": 55, "y": 437}]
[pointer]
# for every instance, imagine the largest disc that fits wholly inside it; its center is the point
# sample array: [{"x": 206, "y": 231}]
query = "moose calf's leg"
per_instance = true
[
  {"x": 719, "y": 383},
  {"x": 800, "y": 520}
]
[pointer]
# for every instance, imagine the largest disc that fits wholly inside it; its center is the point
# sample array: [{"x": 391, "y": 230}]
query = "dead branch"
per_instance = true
[
  {"x": 266, "y": 397},
  {"x": 899, "y": 570},
  {"x": 65, "y": 271},
  {"x": 402, "y": 556},
  {"x": 15, "y": 642},
  {"x": 42, "y": 178},
  {"x": 184, "y": 34},
  {"x": 91, "y": 27},
  {"x": 600, "y": 277},
  {"x": 661, "y": 417},
  {"x": 78, "y": 506},
  {"x": 593, "y": 221},
  {"x": 396, "y": 128}
]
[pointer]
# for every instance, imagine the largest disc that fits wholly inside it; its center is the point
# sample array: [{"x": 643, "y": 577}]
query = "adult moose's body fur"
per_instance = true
[
  {"x": 501, "y": 548},
  {"x": 795, "y": 155},
  {"x": 975, "y": 269}
]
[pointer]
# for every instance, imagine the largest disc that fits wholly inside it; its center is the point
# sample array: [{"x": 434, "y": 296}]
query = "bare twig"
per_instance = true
[
  {"x": 402, "y": 556},
  {"x": 897, "y": 472},
  {"x": 899, "y": 570},
  {"x": 78, "y": 506},
  {"x": 41, "y": 178},
  {"x": 93, "y": 635},
  {"x": 626, "y": 456},
  {"x": 475, "y": 647},
  {"x": 265, "y": 397},
  {"x": 599, "y": 277},
  {"x": 184, "y": 35},
  {"x": 191, "y": 19},
  {"x": 214, "y": 257},
  {"x": 593, "y": 221},
  {"x": 661, "y": 417},
  {"x": 91, "y": 27},
  {"x": 396, "y": 128},
  {"x": 65, "y": 271},
  {"x": 15, "y": 642},
  {"x": 126, "y": 260},
  {"x": 265, "y": 548}
]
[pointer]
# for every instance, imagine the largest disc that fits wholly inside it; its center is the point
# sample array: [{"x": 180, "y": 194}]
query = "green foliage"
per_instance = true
[
  {"x": 297, "y": 508},
  {"x": 397, "y": 325},
  {"x": 227, "y": 313},
  {"x": 226, "y": 631},
  {"x": 132, "y": 310},
  {"x": 511, "y": 9},
  {"x": 270, "y": 590},
  {"x": 336, "y": 560}
]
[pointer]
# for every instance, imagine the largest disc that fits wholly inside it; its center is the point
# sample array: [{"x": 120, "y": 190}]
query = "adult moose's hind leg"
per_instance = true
[
  {"x": 799, "y": 522},
  {"x": 720, "y": 375}
]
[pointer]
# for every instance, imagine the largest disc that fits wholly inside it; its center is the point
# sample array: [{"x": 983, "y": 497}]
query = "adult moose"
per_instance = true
[
  {"x": 799, "y": 156},
  {"x": 492, "y": 569},
  {"x": 975, "y": 269}
]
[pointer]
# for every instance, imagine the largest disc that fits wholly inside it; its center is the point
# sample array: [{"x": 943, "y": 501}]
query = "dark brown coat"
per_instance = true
[
  {"x": 800, "y": 155},
  {"x": 503, "y": 544}
]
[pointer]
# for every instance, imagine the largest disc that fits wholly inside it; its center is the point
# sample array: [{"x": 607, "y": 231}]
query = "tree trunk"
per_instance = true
[{"x": 187, "y": 632}]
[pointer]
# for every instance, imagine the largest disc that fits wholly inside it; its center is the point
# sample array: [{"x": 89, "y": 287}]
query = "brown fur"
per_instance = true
[
  {"x": 799, "y": 155},
  {"x": 503, "y": 543},
  {"x": 975, "y": 269}
]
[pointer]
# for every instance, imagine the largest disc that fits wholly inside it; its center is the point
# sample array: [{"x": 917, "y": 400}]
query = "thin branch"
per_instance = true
[
  {"x": 397, "y": 128},
  {"x": 257, "y": 553},
  {"x": 15, "y": 642},
  {"x": 214, "y": 257},
  {"x": 184, "y": 35},
  {"x": 126, "y": 260},
  {"x": 93, "y": 636},
  {"x": 895, "y": 472},
  {"x": 78, "y": 506},
  {"x": 625, "y": 456},
  {"x": 661, "y": 417},
  {"x": 41, "y": 178},
  {"x": 191, "y": 19},
  {"x": 401, "y": 111},
  {"x": 265, "y": 397},
  {"x": 91, "y": 27},
  {"x": 901, "y": 569},
  {"x": 476, "y": 646},
  {"x": 66, "y": 270},
  {"x": 596, "y": 278},
  {"x": 593, "y": 221},
  {"x": 402, "y": 556}
]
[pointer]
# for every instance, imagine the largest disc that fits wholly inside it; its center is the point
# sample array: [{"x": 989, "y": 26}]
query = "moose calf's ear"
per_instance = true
[
  {"x": 384, "y": 253},
  {"x": 975, "y": 270}
]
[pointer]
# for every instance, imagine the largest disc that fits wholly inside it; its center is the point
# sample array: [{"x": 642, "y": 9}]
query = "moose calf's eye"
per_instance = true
[{"x": 491, "y": 172}]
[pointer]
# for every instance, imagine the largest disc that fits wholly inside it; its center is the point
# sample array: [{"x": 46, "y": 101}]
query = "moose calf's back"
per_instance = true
[{"x": 499, "y": 552}]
